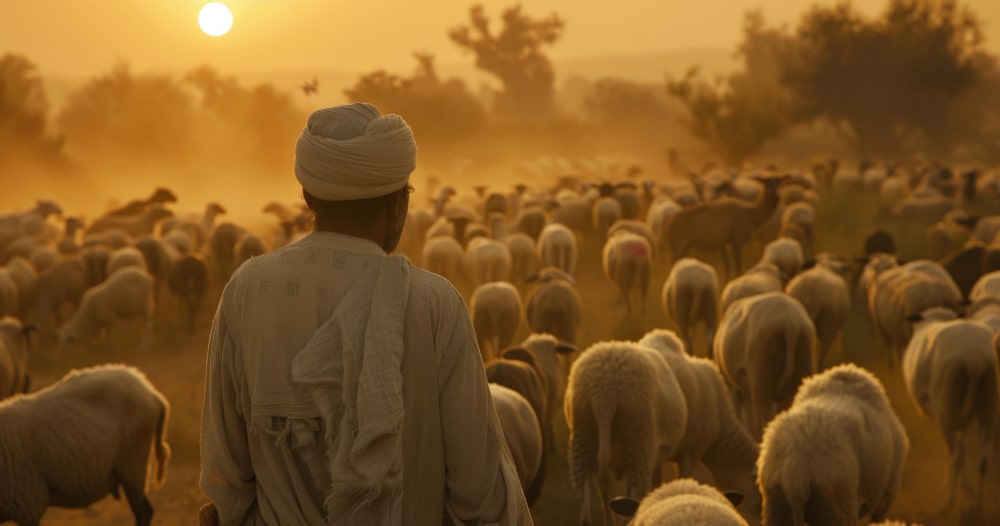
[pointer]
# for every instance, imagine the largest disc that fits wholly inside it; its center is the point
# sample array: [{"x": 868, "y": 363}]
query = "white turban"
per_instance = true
[{"x": 353, "y": 152}]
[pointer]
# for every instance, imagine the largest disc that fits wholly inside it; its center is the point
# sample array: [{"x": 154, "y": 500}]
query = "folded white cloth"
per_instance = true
[
  {"x": 352, "y": 365},
  {"x": 352, "y": 152}
]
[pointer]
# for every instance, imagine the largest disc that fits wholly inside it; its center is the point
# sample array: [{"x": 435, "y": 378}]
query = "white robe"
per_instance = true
[{"x": 263, "y": 455}]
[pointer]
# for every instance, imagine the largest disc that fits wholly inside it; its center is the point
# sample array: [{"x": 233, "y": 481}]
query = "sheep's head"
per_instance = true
[
  {"x": 45, "y": 208},
  {"x": 163, "y": 195}
]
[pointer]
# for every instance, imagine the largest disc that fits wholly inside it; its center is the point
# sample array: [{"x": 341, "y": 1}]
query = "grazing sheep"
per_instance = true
[
  {"x": 197, "y": 228},
  {"x": 554, "y": 306},
  {"x": 545, "y": 350},
  {"x": 556, "y": 247},
  {"x": 10, "y": 301},
  {"x": 714, "y": 436},
  {"x": 127, "y": 294},
  {"x": 682, "y": 501},
  {"x": 188, "y": 281},
  {"x": 628, "y": 261},
  {"x": 638, "y": 228},
  {"x": 521, "y": 433},
  {"x": 606, "y": 212},
  {"x": 658, "y": 216},
  {"x": 764, "y": 277},
  {"x": 134, "y": 225},
  {"x": 691, "y": 296},
  {"x": 42, "y": 258},
  {"x": 574, "y": 214},
  {"x": 159, "y": 258},
  {"x": 26, "y": 279},
  {"x": 114, "y": 239},
  {"x": 96, "y": 259},
  {"x": 530, "y": 221},
  {"x": 786, "y": 254},
  {"x": 725, "y": 223},
  {"x": 496, "y": 315},
  {"x": 95, "y": 432},
  {"x": 523, "y": 259},
  {"x": 966, "y": 267},
  {"x": 68, "y": 244},
  {"x": 626, "y": 415},
  {"x": 764, "y": 348},
  {"x": 125, "y": 257},
  {"x": 14, "y": 376},
  {"x": 826, "y": 298},
  {"x": 987, "y": 286},
  {"x": 222, "y": 245},
  {"x": 65, "y": 282},
  {"x": 160, "y": 196},
  {"x": 443, "y": 255},
  {"x": 487, "y": 260},
  {"x": 180, "y": 240},
  {"x": 836, "y": 455},
  {"x": 950, "y": 371}
]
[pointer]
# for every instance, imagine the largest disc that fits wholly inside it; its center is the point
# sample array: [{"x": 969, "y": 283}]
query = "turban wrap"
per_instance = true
[{"x": 353, "y": 152}]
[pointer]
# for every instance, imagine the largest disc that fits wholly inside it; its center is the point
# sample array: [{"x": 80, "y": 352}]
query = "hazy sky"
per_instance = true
[{"x": 77, "y": 37}]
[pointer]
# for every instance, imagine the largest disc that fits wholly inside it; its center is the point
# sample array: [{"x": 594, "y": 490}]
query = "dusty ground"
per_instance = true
[{"x": 175, "y": 365}]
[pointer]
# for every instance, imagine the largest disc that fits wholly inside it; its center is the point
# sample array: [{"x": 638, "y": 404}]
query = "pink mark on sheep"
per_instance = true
[{"x": 637, "y": 249}]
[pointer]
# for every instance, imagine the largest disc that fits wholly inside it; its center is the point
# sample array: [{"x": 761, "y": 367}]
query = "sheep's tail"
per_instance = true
[
  {"x": 162, "y": 451},
  {"x": 604, "y": 414}
]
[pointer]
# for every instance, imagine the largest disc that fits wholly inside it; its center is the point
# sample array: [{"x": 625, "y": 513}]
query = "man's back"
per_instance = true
[{"x": 262, "y": 428}]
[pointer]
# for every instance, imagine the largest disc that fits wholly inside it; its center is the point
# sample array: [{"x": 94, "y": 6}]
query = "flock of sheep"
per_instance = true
[{"x": 743, "y": 393}]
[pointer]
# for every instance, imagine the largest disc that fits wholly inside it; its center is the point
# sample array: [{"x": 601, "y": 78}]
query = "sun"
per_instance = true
[{"x": 215, "y": 19}]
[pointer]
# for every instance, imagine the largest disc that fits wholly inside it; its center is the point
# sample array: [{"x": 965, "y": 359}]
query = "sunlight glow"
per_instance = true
[{"x": 215, "y": 19}]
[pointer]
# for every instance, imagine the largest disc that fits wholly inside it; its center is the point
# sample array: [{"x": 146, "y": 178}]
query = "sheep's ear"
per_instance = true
[
  {"x": 734, "y": 497},
  {"x": 809, "y": 264},
  {"x": 565, "y": 348},
  {"x": 520, "y": 354},
  {"x": 624, "y": 506},
  {"x": 914, "y": 318}
]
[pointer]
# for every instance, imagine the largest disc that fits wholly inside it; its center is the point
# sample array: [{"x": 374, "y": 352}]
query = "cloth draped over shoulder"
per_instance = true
[{"x": 352, "y": 152}]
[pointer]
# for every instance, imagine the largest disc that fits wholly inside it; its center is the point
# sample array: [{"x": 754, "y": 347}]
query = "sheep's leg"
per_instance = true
[
  {"x": 585, "y": 502},
  {"x": 142, "y": 509},
  {"x": 686, "y": 464},
  {"x": 985, "y": 441},
  {"x": 725, "y": 263},
  {"x": 954, "y": 440}
]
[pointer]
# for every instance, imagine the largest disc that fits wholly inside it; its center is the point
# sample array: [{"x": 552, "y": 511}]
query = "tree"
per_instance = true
[
  {"x": 23, "y": 110},
  {"x": 515, "y": 56},
  {"x": 619, "y": 103},
  {"x": 431, "y": 106},
  {"x": 141, "y": 114},
  {"x": 887, "y": 82}
]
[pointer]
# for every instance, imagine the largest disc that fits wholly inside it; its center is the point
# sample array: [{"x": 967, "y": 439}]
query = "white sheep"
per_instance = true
[
  {"x": 14, "y": 376},
  {"x": 546, "y": 350},
  {"x": 682, "y": 501},
  {"x": 496, "y": 315},
  {"x": 556, "y": 247},
  {"x": 10, "y": 300},
  {"x": 521, "y": 432},
  {"x": 487, "y": 260},
  {"x": 605, "y": 212},
  {"x": 714, "y": 436},
  {"x": 691, "y": 296},
  {"x": 626, "y": 415},
  {"x": 127, "y": 294},
  {"x": 826, "y": 298},
  {"x": 987, "y": 286},
  {"x": 554, "y": 306},
  {"x": 764, "y": 348},
  {"x": 65, "y": 282},
  {"x": 523, "y": 259},
  {"x": 43, "y": 258},
  {"x": 628, "y": 261},
  {"x": 762, "y": 278},
  {"x": 133, "y": 225},
  {"x": 95, "y": 432},
  {"x": 443, "y": 255},
  {"x": 836, "y": 455},
  {"x": 125, "y": 257},
  {"x": 26, "y": 279},
  {"x": 188, "y": 281},
  {"x": 950, "y": 371},
  {"x": 786, "y": 254}
]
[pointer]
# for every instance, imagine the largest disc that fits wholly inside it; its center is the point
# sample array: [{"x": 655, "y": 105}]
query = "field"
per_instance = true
[{"x": 175, "y": 364}]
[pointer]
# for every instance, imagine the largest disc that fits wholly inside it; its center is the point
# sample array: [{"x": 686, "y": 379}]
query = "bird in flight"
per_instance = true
[{"x": 309, "y": 88}]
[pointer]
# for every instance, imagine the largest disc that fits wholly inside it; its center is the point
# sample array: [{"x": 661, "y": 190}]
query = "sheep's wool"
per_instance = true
[{"x": 352, "y": 152}]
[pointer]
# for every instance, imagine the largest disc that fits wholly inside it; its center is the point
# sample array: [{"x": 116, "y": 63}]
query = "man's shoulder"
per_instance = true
[{"x": 431, "y": 288}]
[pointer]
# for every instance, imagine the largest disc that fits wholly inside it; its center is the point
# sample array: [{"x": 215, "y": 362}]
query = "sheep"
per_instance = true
[
  {"x": 96, "y": 259},
  {"x": 764, "y": 348},
  {"x": 10, "y": 301},
  {"x": 487, "y": 260},
  {"x": 134, "y": 225},
  {"x": 113, "y": 238},
  {"x": 160, "y": 196},
  {"x": 879, "y": 241},
  {"x": 159, "y": 258},
  {"x": 691, "y": 296},
  {"x": 628, "y": 261},
  {"x": 127, "y": 294},
  {"x": 606, "y": 212},
  {"x": 556, "y": 247},
  {"x": 180, "y": 240},
  {"x": 248, "y": 246},
  {"x": 530, "y": 221},
  {"x": 545, "y": 350},
  {"x": 42, "y": 258},
  {"x": 714, "y": 436},
  {"x": 222, "y": 245},
  {"x": 496, "y": 310},
  {"x": 786, "y": 254},
  {"x": 443, "y": 256},
  {"x": 682, "y": 501},
  {"x": 95, "y": 432},
  {"x": 638, "y": 228},
  {"x": 68, "y": 244},
  {"x": 950, "y": 372},
  {"x": 496, "y": 202},
  {"x": 574, "y": 214},
  {"x": 626, "y": 415},
  {"x": 659, "y": 215},
  {"x": 14, "y": 377},
  {"x": 554, "y": 306},
  {"x": 26, "y": 279},
  {"x": 197, "y": 228},
  {"x": 764, "y": 277},
  {"x": 903, "y": 291},
  {"x": 836, "y": 455},
  {"x": 987, "y": 286},
  {"x": 721, "y": 224},
  {"x": 125, "y": 257},
  {"x": 188, "y": 281},
  {"x": 825, "y": 296},
  {"x": 521, "y": 433},
  {"x": 65, "y": 282},
  {"x": 523, "y": 259}
]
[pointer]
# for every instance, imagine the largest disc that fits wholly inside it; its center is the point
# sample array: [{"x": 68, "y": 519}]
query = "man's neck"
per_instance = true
[{"x": 375, "y": 234}]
